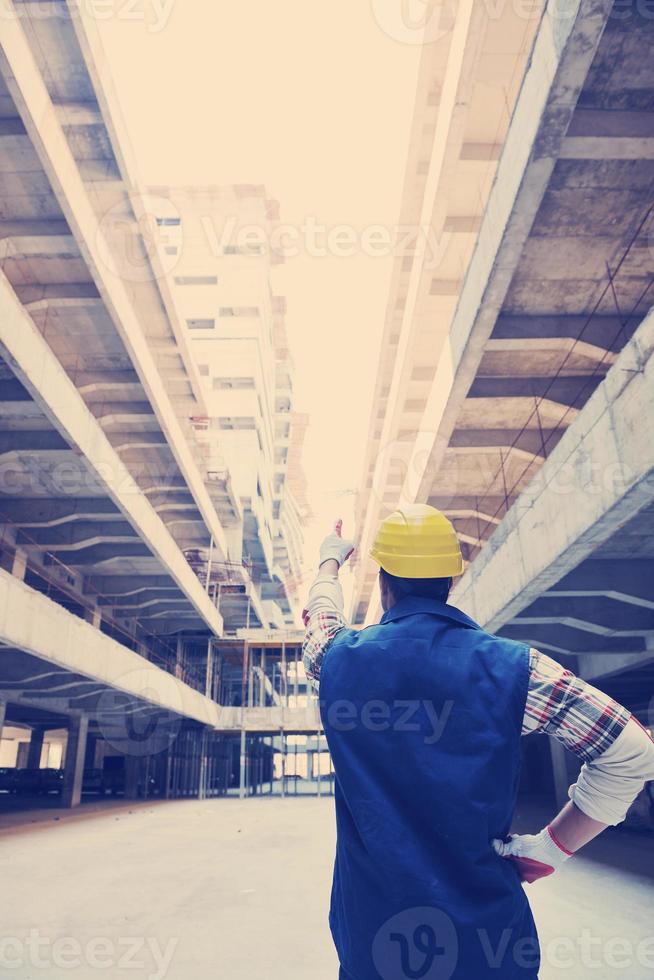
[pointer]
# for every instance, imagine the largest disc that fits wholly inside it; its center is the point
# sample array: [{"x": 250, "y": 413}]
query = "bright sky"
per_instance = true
[{"x": 315, "y": 101}]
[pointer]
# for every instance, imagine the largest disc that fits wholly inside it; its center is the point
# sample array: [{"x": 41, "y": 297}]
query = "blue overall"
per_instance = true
[{"x": 423, "y": 717}]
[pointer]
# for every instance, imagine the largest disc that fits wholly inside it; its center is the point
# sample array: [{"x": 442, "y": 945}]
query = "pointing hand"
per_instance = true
[{"x": 336, "y": 546}]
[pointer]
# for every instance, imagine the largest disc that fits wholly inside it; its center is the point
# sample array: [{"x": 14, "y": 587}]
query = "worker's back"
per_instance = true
[{"x": 423, "y": 716}]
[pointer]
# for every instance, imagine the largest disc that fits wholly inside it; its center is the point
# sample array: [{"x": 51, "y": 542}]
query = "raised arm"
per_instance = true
[{"x": 323, "y": 615}]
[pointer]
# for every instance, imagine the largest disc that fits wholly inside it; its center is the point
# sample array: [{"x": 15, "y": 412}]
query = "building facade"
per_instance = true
[{"x": 220, "y": 282}]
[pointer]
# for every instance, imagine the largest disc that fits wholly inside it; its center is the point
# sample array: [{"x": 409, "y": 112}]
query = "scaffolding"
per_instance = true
[
  {"x": 287, "y": 754},
  {"x": 272, "y": 742}
]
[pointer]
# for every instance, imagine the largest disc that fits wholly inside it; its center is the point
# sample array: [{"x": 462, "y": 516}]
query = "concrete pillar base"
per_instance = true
[
  {"x": 35, "y": 748},
  {"x": 71, "y": 794}
]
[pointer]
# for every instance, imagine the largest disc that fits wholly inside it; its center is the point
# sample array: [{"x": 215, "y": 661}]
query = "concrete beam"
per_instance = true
[
  {"x": 78, "y": 114},
  {"x": 33, "y": 441},
  {"x": 628, "y": 580},
  {"x": 603, "y": 331},
  {"x": 160, "y": 602},
  {"x": 27, "y": 89},
  {"x": 563, "y": 51},
  {"x": 38, "y": 512},
  {"x": 544, "y": 357},
  {"x": 40, "y": 298},
  {"x": 124, "y": 585},
  {"x": 608, "y": 122},
  {"x": 34, "y": 228},
  {"x": 38, "y": 370},
  {"x": 102, "y": 553},
  {"x": 607, "y": 148},
  {"x": 38, "y": 247},
  {"x": 571, "y": 508},
  {"x": 603, "y": 617},
  {"x": 110, "y": 387},
  {"x": 144, "y": 597},
  {"x": 167, "y": 625},
  {"x": 31, "y": 622},
  {"x": 78, "y": 534},
  {"x": 562, "y": 641},
  {"x": 508, "y": 412},
  {"x": 530, "y": 441},
  {"x": 562, "y": 390},
  {"x": 598, "y": 666}
]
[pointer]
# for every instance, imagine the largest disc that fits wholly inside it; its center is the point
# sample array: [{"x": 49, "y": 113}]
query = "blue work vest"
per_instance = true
[{"x": 423, "y": 716}]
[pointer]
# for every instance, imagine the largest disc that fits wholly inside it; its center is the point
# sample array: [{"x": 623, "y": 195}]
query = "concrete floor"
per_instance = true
[{"x": 238, "y": 890}]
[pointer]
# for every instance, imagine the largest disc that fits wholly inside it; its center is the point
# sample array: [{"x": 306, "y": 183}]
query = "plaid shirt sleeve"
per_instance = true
[
  {"x": 324, "y": 618},
  {"x": 584, "y": 719}
]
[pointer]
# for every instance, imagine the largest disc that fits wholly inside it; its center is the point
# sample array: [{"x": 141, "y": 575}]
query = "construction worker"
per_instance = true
[{"x": 423, "y": 715}]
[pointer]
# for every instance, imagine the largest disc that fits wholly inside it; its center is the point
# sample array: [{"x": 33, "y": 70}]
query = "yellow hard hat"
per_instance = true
[{"x": 417, "y": 541}]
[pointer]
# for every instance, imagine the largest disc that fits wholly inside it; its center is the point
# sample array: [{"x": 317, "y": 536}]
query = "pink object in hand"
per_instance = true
[{"x": 531, "y": 870}]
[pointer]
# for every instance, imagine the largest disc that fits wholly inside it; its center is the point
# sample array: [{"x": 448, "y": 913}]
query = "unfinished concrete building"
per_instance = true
[
  {"x": 527, "y": 418},
  {"x": 127, "y": 547}
]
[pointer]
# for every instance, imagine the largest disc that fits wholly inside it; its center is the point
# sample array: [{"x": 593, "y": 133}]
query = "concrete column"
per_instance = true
[
  {"x": 89, "y": 756},
  {"x": 94, "y": 617},
  {"x": 169, "y": 767},
  {"x": 71, "y": 794},
  {"x": 35, "y": 748},
  {"x": 242, "y": 764},
  {"x": 209, "y": 677},
  {"x": 132, "y": 776},
  {"x": 202, "y": 778},
  {"x": 19, "y": 564}
]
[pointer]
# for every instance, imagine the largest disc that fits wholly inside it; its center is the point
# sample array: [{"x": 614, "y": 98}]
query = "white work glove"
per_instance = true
[
  {"x": 335, "y": 546},
  {"x": 534, "y": 855}
]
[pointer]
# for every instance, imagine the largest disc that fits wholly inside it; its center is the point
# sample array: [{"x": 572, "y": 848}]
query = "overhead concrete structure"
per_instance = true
[
  {"x": 569, "y": 569},
  {"x": 560, "y": 279},
  {"x": 468, "y": 82},
  {"x": 83, "y": 348},
  {"x": 121, "y": 548}
]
